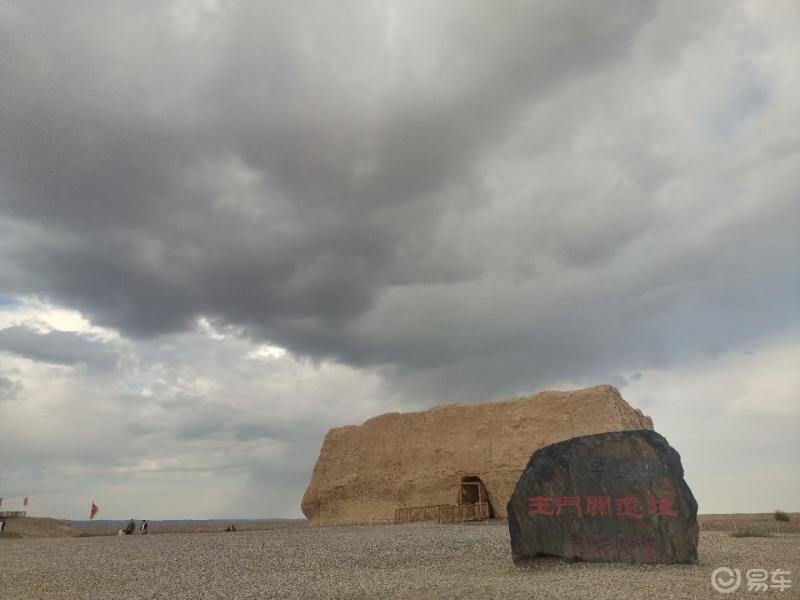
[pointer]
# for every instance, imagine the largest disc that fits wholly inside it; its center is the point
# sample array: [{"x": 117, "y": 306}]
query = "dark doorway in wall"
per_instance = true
[{"x": 472, "y": 491}]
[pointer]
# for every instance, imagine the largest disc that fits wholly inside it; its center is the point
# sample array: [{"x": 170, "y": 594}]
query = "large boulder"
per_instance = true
[
  {"x": 401, "y": 460},
  {"x": 609, "y": 497}
]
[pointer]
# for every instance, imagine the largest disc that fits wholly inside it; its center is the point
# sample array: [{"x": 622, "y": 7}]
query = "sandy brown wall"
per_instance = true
[{"x": 417, "y": 459}]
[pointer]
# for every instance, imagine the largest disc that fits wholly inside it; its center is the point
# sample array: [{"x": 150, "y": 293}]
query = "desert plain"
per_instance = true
[{"x": 420, "y": 560}]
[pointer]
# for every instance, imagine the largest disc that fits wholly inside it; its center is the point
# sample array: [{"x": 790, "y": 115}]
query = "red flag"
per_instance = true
[
  {"x": 93, "y": 513},
  {"x": 25, "y": 502}
]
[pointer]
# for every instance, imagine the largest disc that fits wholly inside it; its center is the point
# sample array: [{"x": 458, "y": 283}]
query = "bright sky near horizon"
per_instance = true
[{"x": 228, "y": 226}]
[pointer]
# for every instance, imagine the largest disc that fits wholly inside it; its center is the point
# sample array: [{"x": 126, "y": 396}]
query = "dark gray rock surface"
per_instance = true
[{"x": 610, "y": 497}]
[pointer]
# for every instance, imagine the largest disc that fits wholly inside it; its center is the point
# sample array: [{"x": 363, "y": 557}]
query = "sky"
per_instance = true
[{"x": 226, "y": 227}]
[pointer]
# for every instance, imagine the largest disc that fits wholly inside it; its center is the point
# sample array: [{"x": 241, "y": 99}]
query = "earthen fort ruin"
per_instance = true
[{"x": 458, "y": 455}]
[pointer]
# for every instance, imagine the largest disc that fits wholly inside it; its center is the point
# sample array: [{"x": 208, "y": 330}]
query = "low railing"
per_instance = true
[
  {"x": 465, "y": 512},
  {"x": 443, "y": 513},
  {"x": 11, "y": 514},
  {"x": 419, "y": 513}
]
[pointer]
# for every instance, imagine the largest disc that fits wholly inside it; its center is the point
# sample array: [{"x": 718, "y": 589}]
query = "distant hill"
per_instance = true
[
  {"x": 37, "y": 527},
  {"x": 43, "y": 527},
  {"x": 120, "y": 523}
]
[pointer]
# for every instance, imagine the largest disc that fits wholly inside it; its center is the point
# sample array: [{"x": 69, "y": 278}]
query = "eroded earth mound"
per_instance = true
[{"x": 401, "y": 460}]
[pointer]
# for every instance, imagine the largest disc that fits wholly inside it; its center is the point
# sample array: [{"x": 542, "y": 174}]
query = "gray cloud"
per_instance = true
[
  {"x": 59, "y": 347},
  {"x": 182, "y": 416},
  {"x": 8, "y": 388},
  {"x": 263, "y": 188},
  {"x": 395, "y": 196}
]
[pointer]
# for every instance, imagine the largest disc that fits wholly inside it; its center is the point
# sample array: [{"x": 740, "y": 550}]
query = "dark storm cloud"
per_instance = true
[
  {"x": 269, "y": 168},
  {"x": 59, "y": 347},
  {"x": 345, "y": 181}
]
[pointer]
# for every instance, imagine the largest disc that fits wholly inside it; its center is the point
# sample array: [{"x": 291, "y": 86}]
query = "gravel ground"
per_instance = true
[{"x": 389, "y": 561}]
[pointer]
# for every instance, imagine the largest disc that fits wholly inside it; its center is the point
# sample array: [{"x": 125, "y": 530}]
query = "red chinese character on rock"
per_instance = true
[
  {"x": 598, "y": 505},
  {"x": 661, "y": 507},
  {"x": 590, "y": 547},
  {"x": 629, "y": 507},
  {"x": 577, "y": 546},
  {"x": 649, "y": 547},
  {"x": 540, "y": 505},
  {"x": 644, "y": 549},
  {"x": 623, "y": 548},
  {"x": 567, "y": 501},
  {"x": 605, "y": 548},
  {"x": 635, "y": 546}
]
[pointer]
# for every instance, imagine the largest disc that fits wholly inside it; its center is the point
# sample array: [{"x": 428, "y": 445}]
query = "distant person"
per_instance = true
[
  {"x": 130, "y": 527},
  {"x": 2, "y": 525},
  {"x": 143, "y": 528}
]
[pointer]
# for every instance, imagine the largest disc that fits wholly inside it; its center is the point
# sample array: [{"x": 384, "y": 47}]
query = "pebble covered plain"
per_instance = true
[{"x": 378, "y": 561}]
